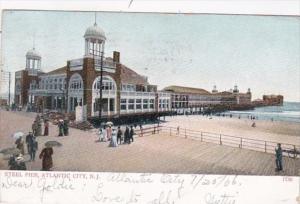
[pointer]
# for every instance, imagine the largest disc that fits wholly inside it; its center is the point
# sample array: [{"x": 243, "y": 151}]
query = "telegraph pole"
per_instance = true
[
  {"x": 101, "y": 76},
  {"x": 9, "y": 81}
]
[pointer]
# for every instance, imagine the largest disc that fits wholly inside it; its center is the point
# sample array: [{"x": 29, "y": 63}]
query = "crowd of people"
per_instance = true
[
  {"x": 17, "y": 161},
  {"x": 116, "y": 136}
]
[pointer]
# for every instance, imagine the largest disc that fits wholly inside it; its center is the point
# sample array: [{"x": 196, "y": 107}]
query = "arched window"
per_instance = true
[
  {"x": 76, "y": 82},
  {"x": 107, "y": 83}
]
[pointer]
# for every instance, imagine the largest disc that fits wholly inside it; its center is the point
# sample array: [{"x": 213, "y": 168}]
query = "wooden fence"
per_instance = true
[{"x": 289, "y": 150}]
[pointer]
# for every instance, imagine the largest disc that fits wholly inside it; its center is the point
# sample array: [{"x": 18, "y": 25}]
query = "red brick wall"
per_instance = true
[{"x": 89, "y": 74}]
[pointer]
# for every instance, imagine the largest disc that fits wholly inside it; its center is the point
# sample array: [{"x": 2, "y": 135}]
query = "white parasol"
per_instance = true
[
  {"x": 109, "y": 123},
  {"x": 17, "y": 135}
]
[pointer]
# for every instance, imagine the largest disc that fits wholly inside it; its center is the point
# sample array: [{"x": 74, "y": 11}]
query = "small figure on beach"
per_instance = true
[
  {"x": 46, "y": 156},
  {"x": 108, "y": 132},
  {"x": 101, "y": 138},
  {"x": 141, "y": 130},
  {"x": 33, "y": 149},
  {"x": 38, "y": 126},
  {"x": 178, "y": 128},
  {"x": 20, "y": 145},
  {"x": 46, "y": 127},
  {"x": 253, "y": 124},
  {"x": 126, "y": 136},
  {"x": 28, "y": 140},
  {"x": 278, "y": 154},
  {"x": 66, "y": 127},
  {"x": 60, "y": 127},
  {"x": 34, "y": 127},
  {"x": 119, "y": 135},
  {"x": 113, "y": 141},
  {"x": 131, "y": 134}
]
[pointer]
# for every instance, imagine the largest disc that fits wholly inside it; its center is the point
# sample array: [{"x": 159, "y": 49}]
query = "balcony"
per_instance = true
[{"x": 137, "y": 94}]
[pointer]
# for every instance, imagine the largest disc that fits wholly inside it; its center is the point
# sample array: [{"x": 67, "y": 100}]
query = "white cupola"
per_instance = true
[{"x": 94, "y": 41}]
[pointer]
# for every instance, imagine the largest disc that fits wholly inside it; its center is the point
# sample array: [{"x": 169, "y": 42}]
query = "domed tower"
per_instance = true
[
  {"x": 94, "y": 41},
  {"x": 235, "y": 89},
  {"x": 33, "y": 61},
  {"x": 214, "y": 89},
  {"x": 249, "y": 91}
]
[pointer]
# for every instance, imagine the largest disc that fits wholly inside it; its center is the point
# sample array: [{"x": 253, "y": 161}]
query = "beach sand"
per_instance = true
[{"x": 277, "y": 131}]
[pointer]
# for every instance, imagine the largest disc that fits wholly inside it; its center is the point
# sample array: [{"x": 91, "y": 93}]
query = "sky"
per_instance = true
[{"x": 257, "y": 52}]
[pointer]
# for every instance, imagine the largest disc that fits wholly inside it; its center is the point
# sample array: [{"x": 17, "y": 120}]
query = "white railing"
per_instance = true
[
  {"x": 45, "y": 91},
  {"x": 134, "y": 93},
  {"x": 18, "y": 74},
  {"x": 105, "y": 92}
]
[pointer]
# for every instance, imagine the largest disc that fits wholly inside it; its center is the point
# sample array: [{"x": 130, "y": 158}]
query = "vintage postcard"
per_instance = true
[{"x": 148, "y": 93}]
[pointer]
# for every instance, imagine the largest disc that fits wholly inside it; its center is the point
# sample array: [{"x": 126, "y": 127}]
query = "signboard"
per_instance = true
[{"x": 80, "y": 113}]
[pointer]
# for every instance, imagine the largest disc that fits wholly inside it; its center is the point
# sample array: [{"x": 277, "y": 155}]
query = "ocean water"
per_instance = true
[{"x": 290, "y": 111}]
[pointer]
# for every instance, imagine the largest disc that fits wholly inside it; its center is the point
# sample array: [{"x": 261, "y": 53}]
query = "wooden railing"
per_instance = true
[{"x": 290, "y": 150}]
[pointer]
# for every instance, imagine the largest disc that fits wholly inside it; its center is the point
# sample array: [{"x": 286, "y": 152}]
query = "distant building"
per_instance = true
[
  {"x": 273, "y": 100},
  {"x": 3, "y": 102},
  {"x": 193, "y": 99}
]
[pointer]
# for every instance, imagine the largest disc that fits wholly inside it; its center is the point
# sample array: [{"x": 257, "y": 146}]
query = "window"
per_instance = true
[
  {"x": 138, "y": 104},
  {"x": 151, "y": 103},
  {"x": 145, "y": 104},
  {"x": 107, "y": 84},
  {"x": 123, "y": 104},
  {"x": 131, "y": 104},
  {"x": 76, "y": 82},
  {"x": 94, "y": 48}
]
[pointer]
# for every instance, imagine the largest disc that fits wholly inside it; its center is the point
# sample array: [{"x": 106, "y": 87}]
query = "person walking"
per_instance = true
[
  {"x": 60, "y": 128},
  {"x": 177, "y": 133},
  {"x": 46, "y": 156},
  {"x": 66, "y": 127},
  {"x": 119, "y": 135},
  {"x": 278, "y": 154},
  {"x": 126, "y": 136},
  {"x": 109, "y": 132},
  {"x": 46, "y": 128},
  {"x": 113, "y": 141},
  {"x": 28, "y": 141},
  {"x": 104, "y": 134},
  {"x": 141, "y": 130},
  {"x": 101, "y": 138},
  {"x": 33, "y": 148},
  {"x": 131, "y": 134},
  {"x": 34, "y": 127},
  {"x": 20, "y": 145}
]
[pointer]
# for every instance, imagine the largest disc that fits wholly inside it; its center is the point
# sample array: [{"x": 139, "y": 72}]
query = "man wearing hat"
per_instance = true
[{"x": 28, "y": 140}]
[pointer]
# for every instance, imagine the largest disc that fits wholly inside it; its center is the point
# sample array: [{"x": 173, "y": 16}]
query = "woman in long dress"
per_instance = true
[
  {"x": 109, "y": 132},
  {"x": 113, "y": 141},
  {"x": 46, "y": 128},
  {"x": 104, "y": 132},
  {"x": 101, "y": 138},
  {"x": 46, "y": 155}
]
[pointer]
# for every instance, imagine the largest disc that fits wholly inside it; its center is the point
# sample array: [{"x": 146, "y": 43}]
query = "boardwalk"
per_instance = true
[{"x": 159, "y": 153}]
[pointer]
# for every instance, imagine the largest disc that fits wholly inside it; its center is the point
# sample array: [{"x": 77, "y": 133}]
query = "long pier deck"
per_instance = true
[{"x": 155, "y": 153}]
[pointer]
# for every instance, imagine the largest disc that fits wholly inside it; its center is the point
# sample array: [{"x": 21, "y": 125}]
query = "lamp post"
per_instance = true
[{"x": 63, "y": 99}]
